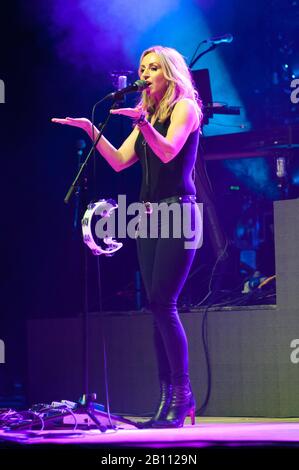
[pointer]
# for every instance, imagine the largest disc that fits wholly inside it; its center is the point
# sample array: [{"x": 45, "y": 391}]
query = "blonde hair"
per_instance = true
[{"x": 180, "y": 83}]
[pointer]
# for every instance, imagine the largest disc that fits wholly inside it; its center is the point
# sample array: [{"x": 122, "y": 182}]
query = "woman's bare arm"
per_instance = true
[{"x": 118, "y": 159}]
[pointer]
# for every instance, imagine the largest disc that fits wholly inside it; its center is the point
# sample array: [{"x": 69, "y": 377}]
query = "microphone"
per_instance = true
[
  {"x": 139, "y": 85},
  {"x": 281, "y": 167},
  {"x": 122, "y": 82},
  {"x": 226, "y": 38}
]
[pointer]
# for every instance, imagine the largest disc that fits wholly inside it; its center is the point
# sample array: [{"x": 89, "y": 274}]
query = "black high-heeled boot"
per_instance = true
[
  {"x": 182, "y": 404},
  {"x": 162, "y": 408}
]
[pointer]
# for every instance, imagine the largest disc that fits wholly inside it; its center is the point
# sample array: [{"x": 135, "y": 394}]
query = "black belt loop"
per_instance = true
[{"x": 148, "y": 207}]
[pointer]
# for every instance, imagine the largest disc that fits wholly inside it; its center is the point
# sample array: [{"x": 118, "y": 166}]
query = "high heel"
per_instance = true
[
  {"x": 163, "y": 407},
  {"x": 182, "y": 405},
  {"x": 192, "y": 415}
]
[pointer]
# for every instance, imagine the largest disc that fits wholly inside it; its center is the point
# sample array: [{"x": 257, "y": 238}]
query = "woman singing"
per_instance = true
[{"x": 164, "y": 139}]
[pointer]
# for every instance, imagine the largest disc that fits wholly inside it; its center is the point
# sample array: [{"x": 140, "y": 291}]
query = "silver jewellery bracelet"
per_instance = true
[{"x": 141, "y": 121}]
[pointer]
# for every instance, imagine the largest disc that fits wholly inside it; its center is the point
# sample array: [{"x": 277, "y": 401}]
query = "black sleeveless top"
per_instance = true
[{"x": 162, "y": 180}]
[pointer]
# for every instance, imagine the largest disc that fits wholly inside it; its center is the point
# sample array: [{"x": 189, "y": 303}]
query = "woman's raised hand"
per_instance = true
[
  {"x": 133, "y": 113},
  {"x": 83, "y": 123}
]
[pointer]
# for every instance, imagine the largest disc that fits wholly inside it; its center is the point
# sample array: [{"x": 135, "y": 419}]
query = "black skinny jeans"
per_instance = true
[{"x": 164, "y": 265}]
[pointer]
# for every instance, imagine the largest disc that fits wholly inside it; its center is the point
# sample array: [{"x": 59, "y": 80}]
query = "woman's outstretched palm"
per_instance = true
[{"x": 83, "y": 123}]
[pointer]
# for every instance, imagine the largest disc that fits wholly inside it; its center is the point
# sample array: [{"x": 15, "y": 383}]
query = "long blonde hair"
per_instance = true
[{"x": 180, "y": 83}]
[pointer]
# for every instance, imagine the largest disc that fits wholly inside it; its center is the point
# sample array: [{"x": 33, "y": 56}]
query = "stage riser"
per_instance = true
[
  {"x": 252, "y": 374},
  {"x": 251, "y": 369},
  {"x": 286, "y": 222}
]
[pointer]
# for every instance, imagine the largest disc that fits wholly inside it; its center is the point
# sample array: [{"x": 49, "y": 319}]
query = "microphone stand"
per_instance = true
[
  {"x": 87, "y": 402},
  {"x": 193, "y": 62},
  {"x": 205, "y": 192}
]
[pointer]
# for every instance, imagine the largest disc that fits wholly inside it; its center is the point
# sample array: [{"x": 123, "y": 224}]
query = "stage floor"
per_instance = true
[
  {"x": 233, "y": 441},
  {"x": 206, "y": 432}
]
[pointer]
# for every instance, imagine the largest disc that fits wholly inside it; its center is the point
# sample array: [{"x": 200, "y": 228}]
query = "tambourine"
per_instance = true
[{"x": 103, "y": 208}]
